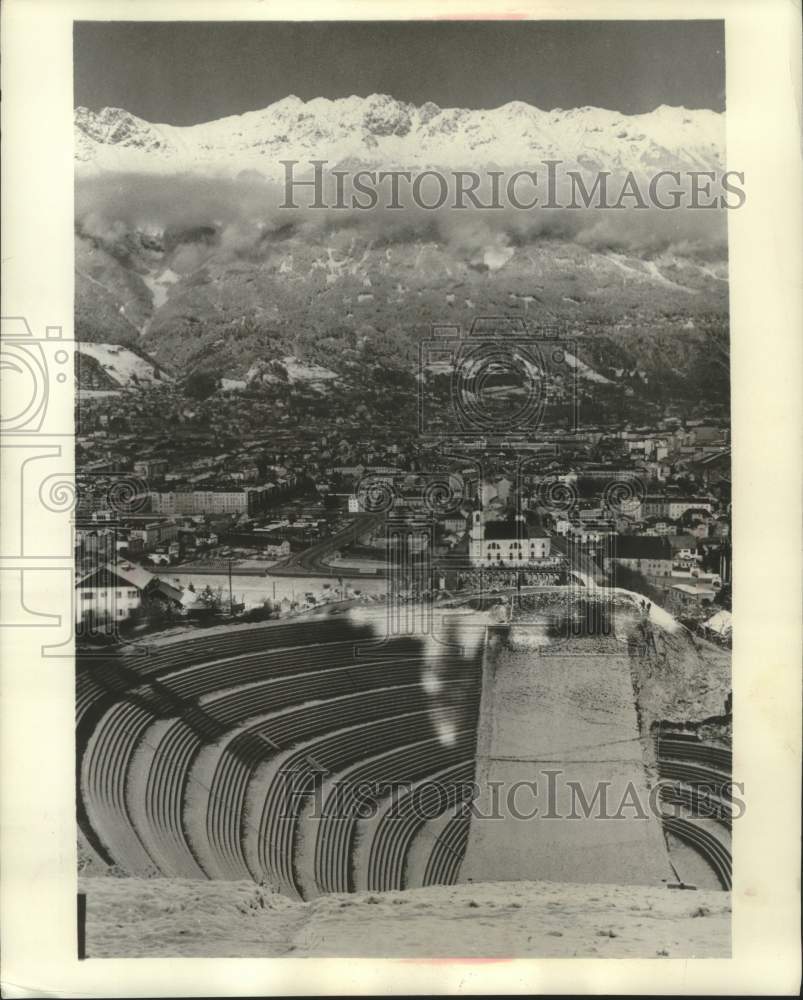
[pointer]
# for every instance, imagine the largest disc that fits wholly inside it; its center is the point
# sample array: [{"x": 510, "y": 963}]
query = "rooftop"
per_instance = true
[
  {"x": 111, "y": 575},
  {"x": 511, "y": 528},
  {"x": 642, "y": 547}
]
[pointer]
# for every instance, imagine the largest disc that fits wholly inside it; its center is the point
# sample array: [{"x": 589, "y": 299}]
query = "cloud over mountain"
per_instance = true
[{"x": 183, "y": 243}]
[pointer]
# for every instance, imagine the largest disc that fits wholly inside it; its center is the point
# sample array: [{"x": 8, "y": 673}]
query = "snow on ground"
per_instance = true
[
  {"x": 619, "y": 260},
  {"x": 159, "y": 286},
  {"x": 440, "y": 367},
  {"x": 583, "y": 369},
  {"x": 650, "y": 272},
  {"x": 495, "y": 257},
  {"x": 684, "y": 678},
  {"x": 338, "y": 130},
  {"x": 297, "y": 371},
  {"x": 336, "y": 267},
  {"x": 343, "y": 562},
  {"x": 657, "y": 614},
  {"x": 571, "y": 709},
  {"x": 584, "y": 578},
  {"x": 711, "y": 273},
  {"x": 652, "y": 269},
  {"x": 177, "y": 917},
  {"x": 447, "y": 367},
  {"x": 254, "y": 590},
  {"x": 121, "y": 364}
]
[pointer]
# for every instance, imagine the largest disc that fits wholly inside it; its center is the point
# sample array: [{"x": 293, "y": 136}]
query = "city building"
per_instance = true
[
  {"x": 246, "y": 500},
  {"x": 649, "y": 555},
  {"x": 145, "y": 537},
  {"x": 687, "y": 595},
  {"x": 713, "y": 469},
  {"x": 677, "y": 506},
  {"x": 508, "y": 541},
  {"x": 151, "y": 468},
  {"x": 673, "y": 507}
]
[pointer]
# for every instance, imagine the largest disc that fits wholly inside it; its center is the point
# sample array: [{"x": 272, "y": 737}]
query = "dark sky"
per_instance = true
[{"x": 188, "y": 72}]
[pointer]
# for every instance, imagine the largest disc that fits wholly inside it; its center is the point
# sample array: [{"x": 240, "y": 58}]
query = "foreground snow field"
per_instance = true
[{"x": 176, "y": 917}]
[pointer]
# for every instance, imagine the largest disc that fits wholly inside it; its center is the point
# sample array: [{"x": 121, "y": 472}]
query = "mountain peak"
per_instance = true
[
  {"x": 286, "y": 103},
  {"x": 116, "y": 127},
  {"x": 382, "y": 130}
]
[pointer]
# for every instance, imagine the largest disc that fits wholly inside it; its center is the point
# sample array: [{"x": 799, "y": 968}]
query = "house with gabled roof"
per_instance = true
[{"x": 112, "y": 592}]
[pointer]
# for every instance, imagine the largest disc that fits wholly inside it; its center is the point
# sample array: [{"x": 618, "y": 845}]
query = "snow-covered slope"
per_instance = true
[
  {"x": 381, "y": 130},
  {"x": 121, "y": 365},
  {"x": 167, "y": 918}
]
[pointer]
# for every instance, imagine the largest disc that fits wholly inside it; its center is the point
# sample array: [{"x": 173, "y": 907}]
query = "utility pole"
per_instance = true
[{"x": 231, "y": 596}]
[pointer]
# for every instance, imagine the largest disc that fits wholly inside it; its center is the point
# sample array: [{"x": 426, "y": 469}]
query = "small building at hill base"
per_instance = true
[{"x": 111, "y": 593}]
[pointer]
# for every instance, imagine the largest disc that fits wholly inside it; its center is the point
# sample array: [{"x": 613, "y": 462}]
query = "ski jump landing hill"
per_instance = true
[{"x": 562, "y": 767}]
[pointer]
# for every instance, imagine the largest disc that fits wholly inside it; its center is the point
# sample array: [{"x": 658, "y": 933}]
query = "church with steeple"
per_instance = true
[{"x": 509, "y": 542}]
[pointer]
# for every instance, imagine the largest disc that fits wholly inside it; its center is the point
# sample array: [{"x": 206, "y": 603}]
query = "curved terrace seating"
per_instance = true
[
  {"x": 334, "y": 842},
  {"x": 189, "y": 747},
  {"x": 200, "y": 756},
  {"x": 404, "y": 816},
  {"x": 447, "y": 855},
  {"x": 701, "y": 776}
]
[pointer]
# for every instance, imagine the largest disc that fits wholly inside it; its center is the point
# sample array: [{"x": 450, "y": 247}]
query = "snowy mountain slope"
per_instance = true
[
  {"x": 187, "y": 259},
  {"x": 342, "y": 299},
  {"x": 121, "y": 366},
  {"x": 381, "y": 130}
]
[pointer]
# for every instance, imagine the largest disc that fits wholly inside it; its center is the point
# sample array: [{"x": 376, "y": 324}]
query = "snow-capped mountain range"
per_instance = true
[
  {"x": 379, "y": 130},
  {"x": 209, "y": 276}
]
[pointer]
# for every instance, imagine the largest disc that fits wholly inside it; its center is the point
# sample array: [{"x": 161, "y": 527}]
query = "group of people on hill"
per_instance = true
[{"x": 647, "y": 639}]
